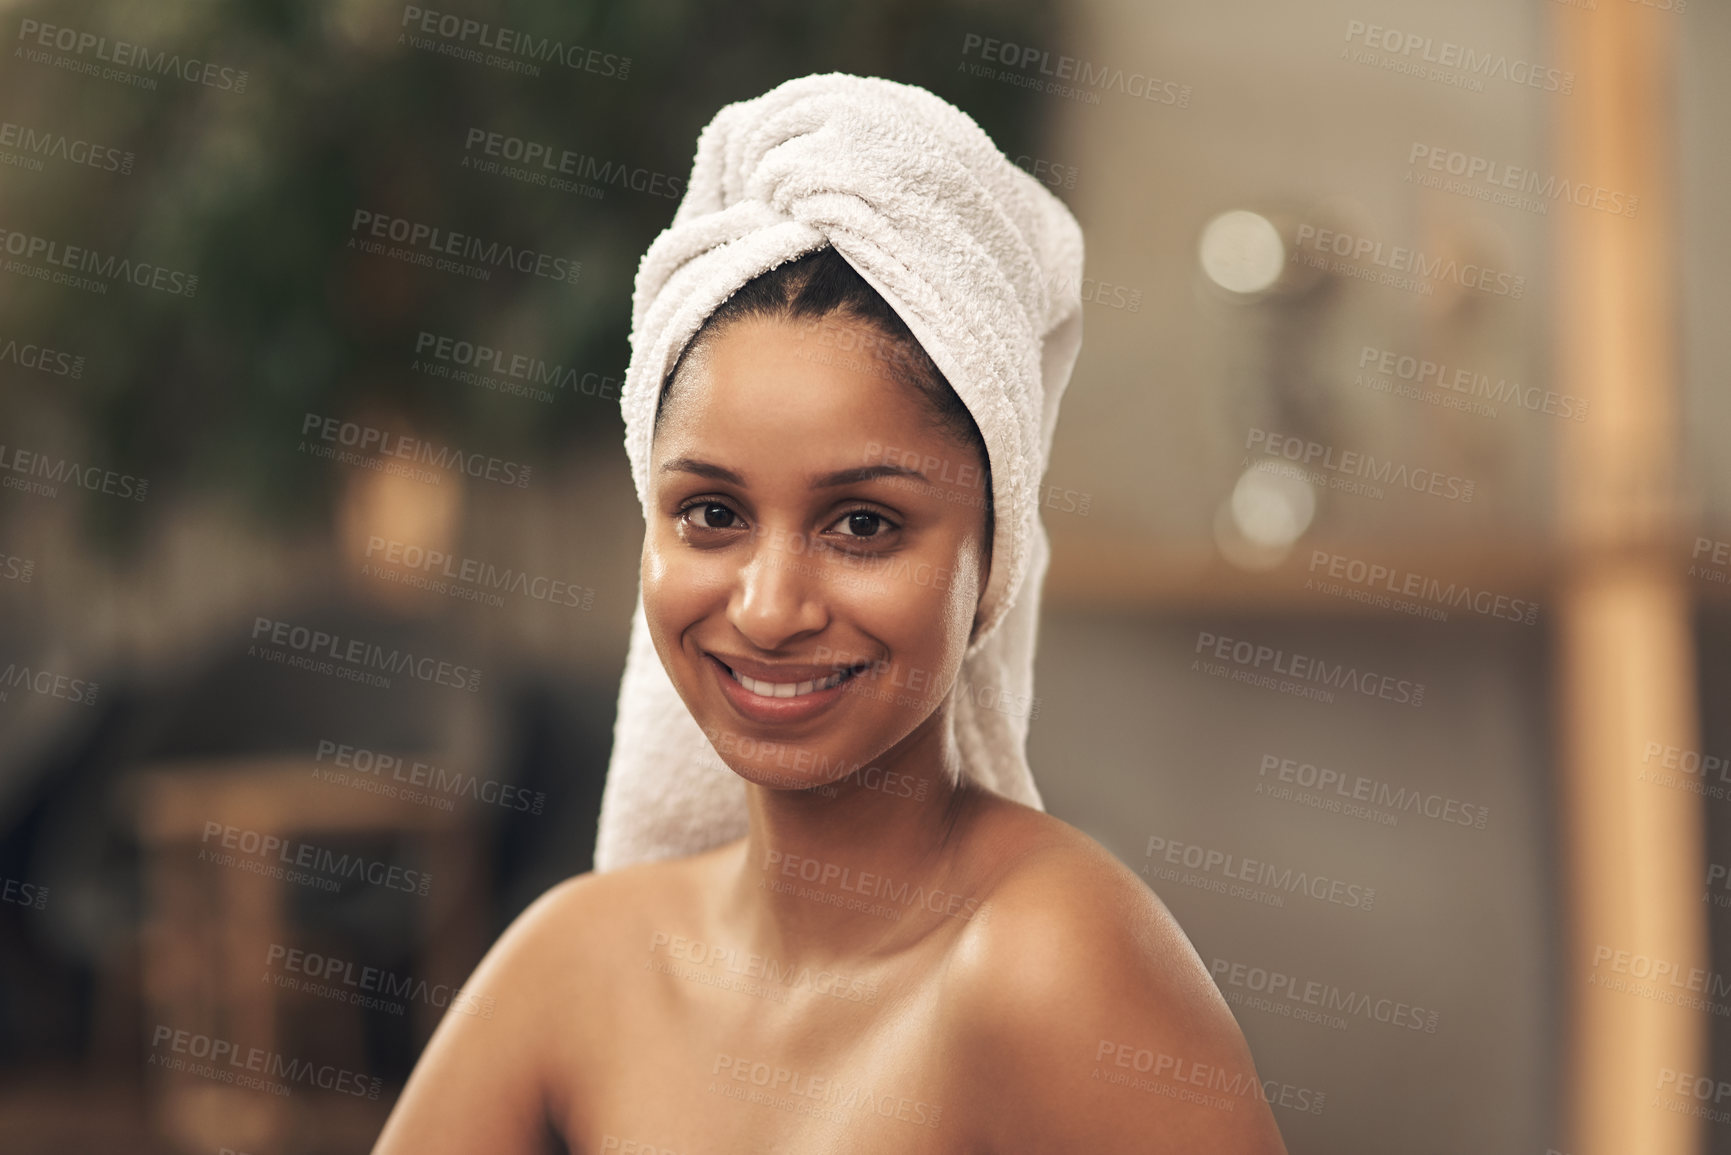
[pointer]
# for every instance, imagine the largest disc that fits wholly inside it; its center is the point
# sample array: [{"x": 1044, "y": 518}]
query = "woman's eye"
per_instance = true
[
  {"x": 863, "y": 523},
  {"x": 715, "y": 515}
]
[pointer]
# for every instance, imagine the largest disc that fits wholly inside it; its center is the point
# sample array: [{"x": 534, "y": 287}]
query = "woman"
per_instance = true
[{"x": 835, "y": 919}]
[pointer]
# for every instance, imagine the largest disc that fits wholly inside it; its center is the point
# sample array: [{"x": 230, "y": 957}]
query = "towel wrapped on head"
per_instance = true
[{"x": 982, "y": 263}]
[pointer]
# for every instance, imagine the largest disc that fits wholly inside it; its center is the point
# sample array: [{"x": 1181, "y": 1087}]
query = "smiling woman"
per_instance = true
[{"x": 895, "y": 954}]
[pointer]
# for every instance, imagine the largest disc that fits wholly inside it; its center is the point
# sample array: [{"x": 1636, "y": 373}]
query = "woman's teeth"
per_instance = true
[{"x": 791, "y": 689}]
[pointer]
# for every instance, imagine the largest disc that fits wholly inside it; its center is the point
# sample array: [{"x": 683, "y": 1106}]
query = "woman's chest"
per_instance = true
[{"x": 705, "y": 1058}]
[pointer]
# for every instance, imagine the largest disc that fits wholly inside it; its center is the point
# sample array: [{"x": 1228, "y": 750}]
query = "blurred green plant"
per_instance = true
[{"x": 255, "y": 191}]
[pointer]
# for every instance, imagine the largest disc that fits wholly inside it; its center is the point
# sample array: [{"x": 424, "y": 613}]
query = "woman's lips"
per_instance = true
[{"x": 781, "y": 702}]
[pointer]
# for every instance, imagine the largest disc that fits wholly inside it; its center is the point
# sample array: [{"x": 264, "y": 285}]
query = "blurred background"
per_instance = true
[{"x": 1390, "y": 509}]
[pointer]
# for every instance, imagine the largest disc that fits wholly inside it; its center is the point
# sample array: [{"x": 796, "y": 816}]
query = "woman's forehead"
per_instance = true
[{"x": 802, "y": 389}]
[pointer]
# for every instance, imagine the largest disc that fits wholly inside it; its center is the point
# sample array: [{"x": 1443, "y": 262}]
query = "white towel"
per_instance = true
[{"x": 985, "y": 267}]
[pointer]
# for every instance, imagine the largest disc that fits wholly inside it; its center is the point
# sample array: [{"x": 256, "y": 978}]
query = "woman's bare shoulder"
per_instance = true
[
  {"x": 499, "y": 1076},
  {"x": 1051, "y": 900},
  {"x": 615, "y": 892},
  {"x": 1054, "y": 894},
  {"x": 1083, "y": 993},
  {"x": 572, "y": 923},
  {"x": 535, "y": 1013},
  {"x": 1032, "y": 859}
]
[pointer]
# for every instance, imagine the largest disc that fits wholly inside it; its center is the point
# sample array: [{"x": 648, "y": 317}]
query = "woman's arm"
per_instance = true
[
  {"x": 484, "y": 1083},
  {"x": 1098, "y": 1026}
]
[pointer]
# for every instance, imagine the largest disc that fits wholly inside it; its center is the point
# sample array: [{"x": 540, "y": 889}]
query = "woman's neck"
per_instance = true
[{"x": 868, "y": 865}]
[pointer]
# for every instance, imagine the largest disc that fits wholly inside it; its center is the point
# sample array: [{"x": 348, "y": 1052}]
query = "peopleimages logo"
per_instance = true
[
  {"x": 1047, "y": 172},
  {"x": 43, "y": 474},
  {"x": 352, "y": 658},
  {"x": 1072, "y": 77},
  {"x": 260, "y": 847},
  {"x": 813, "y": 1096},
  {"x": 1353, "y": 467},
  {"x": 1303, "y": 668},
  {"x": 1421, "y": 372},
  {"x": 365, "y": 439},
  {"x": 1500, "y": 178},
  {"x": 1684, "y": 1086},
  {"x": 546, "y": 164},
  {"x": 229, "y": 1063},
  {"x": 47, "y": 683},
  {"x": 443, "y": 249},
  {"x": 132, "y": 63},
  {"x": 1369, "y": 259},
  {"x": 371, "y": 988},
  {"x": 1181, "y": 1074},
  {"x": 481, "y": 43},
  {"x": 1254, "y": 871},
  {"x": 505, "y": 370},
  {"x": 27, "y": 894},
  {"x": 1662, "y": 980},
  {"x": 1413, "y": 49},
  {"x": 1290, "y": 996},
  {"x": 1355, "y": 788},
  {"x": 773, "y": 973},
  {"x": 466, "y": 577},
  {"x": 30, "y": 355},
  {"x": 34, "y": 145},
  {"x": 374, "y": 765},
  {"x": 1389, "y": 587},
  {"x": 1689, "y": 762},
  {"x": 47, "y": 259},
  {"x": 826, "y": 874}
]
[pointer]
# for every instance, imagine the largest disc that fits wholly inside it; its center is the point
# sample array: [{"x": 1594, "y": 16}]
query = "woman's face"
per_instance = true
[{"x": 809, "y": 522}]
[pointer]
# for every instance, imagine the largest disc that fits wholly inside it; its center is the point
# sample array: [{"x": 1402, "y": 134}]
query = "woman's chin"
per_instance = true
[{"x": 779, "y": 778}]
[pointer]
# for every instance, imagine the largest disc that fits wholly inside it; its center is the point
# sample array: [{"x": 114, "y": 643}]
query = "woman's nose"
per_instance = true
[{"x": 778, "y": 594}]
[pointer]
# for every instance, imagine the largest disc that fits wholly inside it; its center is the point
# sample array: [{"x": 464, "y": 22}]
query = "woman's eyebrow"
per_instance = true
[
  {"x": 703, "y": 469},
  {"x": 863, "y": 473},
  {"x": 852, "y": 476}
]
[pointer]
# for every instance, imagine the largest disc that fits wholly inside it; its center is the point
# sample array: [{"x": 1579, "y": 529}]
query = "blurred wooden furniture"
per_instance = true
[{"x": 207, "y": 928}]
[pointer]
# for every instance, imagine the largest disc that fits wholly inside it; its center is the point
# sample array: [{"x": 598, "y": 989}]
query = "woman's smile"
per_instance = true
[{"x": 780, "y": 698}]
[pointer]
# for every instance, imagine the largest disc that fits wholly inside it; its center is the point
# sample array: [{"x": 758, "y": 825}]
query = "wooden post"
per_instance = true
[{"x": 1632, "y": 847}]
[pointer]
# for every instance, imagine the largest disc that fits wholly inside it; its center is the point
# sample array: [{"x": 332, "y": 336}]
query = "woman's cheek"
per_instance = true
[
  {"x": 952, "y": 596},
  {"x": 923, "y": 600},
  {"x": 675, "y": 580}
]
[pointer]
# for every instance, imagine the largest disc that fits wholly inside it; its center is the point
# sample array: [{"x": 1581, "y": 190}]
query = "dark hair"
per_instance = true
[{"x": 821, "y": 284}]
